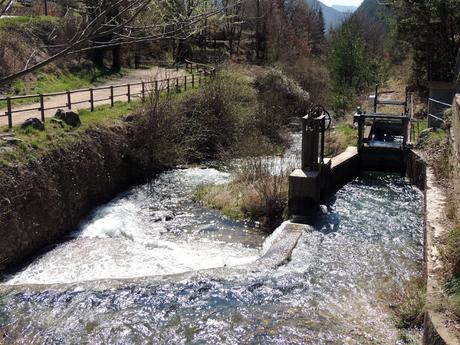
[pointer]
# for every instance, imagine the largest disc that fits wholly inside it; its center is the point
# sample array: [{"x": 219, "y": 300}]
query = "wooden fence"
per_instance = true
[{"x": 197, "y": 73}]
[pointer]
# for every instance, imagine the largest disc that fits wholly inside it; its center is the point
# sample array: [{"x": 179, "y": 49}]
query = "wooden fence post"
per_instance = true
[
  {"x": 9, "y": 113},
  {"x": 91, "y": 98},
  {"x": 42, "y": 107},
  {"x": 177, "y": 85},
  {"x": 167, "y": 81},
  {"x": 193, "y": 81},
  {"x": 129, "y": 93},
  {"x": 69, "y": 100},
  {"x": 143, "y": 91},
  {"x": 185, "y": 83},
  {"x": 111, "y": 96}
]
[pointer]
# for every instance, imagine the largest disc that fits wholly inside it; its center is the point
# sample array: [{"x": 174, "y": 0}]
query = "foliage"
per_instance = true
[
  {"x": 353, "y": 65},
  {"x": 258, "y": 191},
  {"x": 432, "y": 28},
  {"x": 452, "y": 288}
]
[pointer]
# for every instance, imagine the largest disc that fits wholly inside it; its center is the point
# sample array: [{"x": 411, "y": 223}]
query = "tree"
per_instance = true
[
  {"x": 432, "y": 28},
  {"x": 352, "y": 64},
  {"x": 103, "y": 24}
]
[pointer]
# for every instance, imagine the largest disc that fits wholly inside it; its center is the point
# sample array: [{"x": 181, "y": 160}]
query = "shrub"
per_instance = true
[
  {"x": 265, "y": 182},
  {"x": 312, "y": 76},
  {"x": 409, "y": 313}
]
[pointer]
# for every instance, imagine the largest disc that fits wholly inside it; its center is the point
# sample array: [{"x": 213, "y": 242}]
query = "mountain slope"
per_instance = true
[
  {"x": 332, "y": 17},
  {"x": 373, "y": 9},
  {"x": 345, "y": 9}
]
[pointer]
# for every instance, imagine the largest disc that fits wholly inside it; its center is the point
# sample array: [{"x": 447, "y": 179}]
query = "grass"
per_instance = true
[
  {"x": 34, "y": 143},
  {"x": 452, "y": 288},
  {"x": 13, "y": 23},
  {"x": 339, "y": 138},
  {"x": 409, "y": 313},
  {"x": 258, "y": 192},
  {"x": 48, "y": 83}
]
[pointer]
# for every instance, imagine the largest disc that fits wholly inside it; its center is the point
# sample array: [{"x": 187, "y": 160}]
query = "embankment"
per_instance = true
[
  {"x": 42, "y": 201},
  {"x": 440, "y": 327}
]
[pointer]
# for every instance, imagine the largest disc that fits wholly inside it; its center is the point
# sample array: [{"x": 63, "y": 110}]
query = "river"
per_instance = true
[{"x": 119, "y": 278}]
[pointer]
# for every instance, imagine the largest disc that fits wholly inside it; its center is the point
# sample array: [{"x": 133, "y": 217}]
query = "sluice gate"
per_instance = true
[{"x": 382, "y": 145}]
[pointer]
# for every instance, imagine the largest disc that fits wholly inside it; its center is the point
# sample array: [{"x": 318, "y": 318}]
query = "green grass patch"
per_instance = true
[
  {"x": 24, "y": 22},
  {"x": 34, "y": 143},
  {"x": 223, "y": 197},
  {"x": 48, "y": 83}
]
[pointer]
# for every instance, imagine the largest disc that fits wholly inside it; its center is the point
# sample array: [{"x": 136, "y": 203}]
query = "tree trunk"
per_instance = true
[{"x": 116, "y": 57}]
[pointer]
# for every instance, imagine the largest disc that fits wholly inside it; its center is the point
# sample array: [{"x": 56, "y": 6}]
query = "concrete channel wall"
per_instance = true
[{"x": 435, "y": 330}]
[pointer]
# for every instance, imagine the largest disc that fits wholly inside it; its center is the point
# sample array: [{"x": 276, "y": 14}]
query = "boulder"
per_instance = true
[
  {"x": 34, "y": 123},
  {"x": 60, "y": 114},
  {"x": 71, "y": 118}
]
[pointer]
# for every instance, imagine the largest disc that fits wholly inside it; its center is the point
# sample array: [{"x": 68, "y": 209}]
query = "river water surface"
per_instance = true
[{"x": 328, "y": 293}]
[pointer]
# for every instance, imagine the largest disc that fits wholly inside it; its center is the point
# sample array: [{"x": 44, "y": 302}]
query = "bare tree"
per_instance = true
[{"x": 101, "y": 24}]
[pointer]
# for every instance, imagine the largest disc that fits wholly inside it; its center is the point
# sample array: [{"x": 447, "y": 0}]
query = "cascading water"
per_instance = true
[{"x": 327, "y": 294}]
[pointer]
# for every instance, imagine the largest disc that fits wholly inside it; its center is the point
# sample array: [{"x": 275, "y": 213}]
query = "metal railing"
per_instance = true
[
  {"x": 197, "y": 71},
  {"x": 436, "y": 111}
]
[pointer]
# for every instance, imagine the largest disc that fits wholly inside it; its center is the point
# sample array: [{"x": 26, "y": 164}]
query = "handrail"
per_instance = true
[{"x": 159, "y": 85}]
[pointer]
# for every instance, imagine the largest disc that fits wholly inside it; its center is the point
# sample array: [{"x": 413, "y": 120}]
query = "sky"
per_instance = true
[{"x": 342, "y": 2}]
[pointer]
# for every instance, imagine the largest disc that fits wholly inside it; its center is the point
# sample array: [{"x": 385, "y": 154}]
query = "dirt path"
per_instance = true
[{"x": 80, "y": 100}]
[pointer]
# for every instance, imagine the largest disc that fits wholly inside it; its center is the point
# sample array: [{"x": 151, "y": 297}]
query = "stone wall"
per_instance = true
[{"x": 46, "y": 199}]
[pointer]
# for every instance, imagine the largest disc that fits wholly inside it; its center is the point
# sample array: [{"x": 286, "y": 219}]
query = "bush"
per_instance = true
[
  {"x": 280, "y": 100},
  {"x": 312, "y": 76},
  {"x": 258, "y": 191}
]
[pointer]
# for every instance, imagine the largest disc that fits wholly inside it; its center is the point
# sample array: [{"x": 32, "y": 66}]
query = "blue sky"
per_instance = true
[{"x": 342, "y": 2}]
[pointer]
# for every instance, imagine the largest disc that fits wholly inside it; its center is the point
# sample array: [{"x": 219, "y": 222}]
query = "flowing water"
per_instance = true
[{"x": 328, "y": 293}]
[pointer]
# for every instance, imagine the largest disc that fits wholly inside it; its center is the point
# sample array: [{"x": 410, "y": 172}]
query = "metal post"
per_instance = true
[
  {"x": 375, "y": 98},
  {"x": 111, "y": 96},
  {"x": 310, "y": 142},
  {"x": 9, "y": 113},
  {"x": 323, "y": 131},
  {"x": 129, "y": 93},
  {"x": 69, "y": 100},
  {"x": 91, "y": 98},
  {"x": 361, "y": 123},
  {"x": 42, "y": 107}
]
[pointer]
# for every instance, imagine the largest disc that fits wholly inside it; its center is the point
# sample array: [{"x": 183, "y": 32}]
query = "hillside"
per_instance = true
[
  {"x": 373, "y": 9},
  {"x": 345, "y": 9},
  {"x": 332, "y": 17}
]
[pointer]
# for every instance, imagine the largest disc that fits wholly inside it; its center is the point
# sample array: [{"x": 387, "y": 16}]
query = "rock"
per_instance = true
[
  {"x": 128, "y": 118},
  {"x": 58, "y": 122},
  {"x": 11, "y": 140},
  {"x": 60, "y": 114},
  {"x": 71, "y": 118},
  {"x": 34, "y": 123}
]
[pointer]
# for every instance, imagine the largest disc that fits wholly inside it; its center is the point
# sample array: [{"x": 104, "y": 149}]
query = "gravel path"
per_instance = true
[{"x": 80, "y": 100}]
